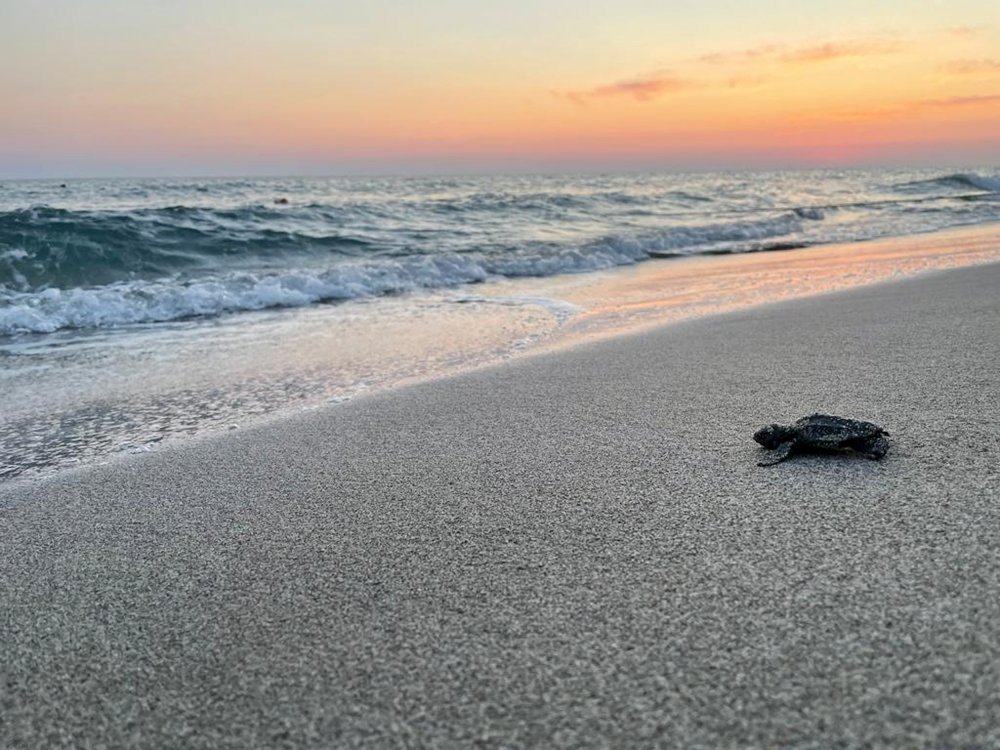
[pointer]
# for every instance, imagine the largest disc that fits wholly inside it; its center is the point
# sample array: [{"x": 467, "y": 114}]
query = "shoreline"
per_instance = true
[
  {"x": 575, "y": 548},
  {"x": 643, "y": 297},
  {"x": 143, "y": 391}
]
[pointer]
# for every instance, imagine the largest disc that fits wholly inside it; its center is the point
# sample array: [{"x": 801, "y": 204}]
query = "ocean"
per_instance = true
[{"x": 133, "y": 311}]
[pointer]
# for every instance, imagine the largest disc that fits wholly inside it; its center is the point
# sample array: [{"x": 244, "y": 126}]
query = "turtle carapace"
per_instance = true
[{"x": 822, "y": 433}]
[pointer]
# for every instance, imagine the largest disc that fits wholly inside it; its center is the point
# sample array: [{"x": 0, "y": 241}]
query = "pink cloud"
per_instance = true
[
  {"x": 838, "y": 50},
  {"x": 641, "y": 88}
]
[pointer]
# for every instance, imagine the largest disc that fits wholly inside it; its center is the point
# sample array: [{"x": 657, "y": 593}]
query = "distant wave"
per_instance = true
[
  {"x": 959, "y": 181},
  {"x": 43, "y": 247}
]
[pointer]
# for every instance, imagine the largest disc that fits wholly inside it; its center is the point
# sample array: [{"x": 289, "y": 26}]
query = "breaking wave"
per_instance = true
[
  {"x": 54, "y": 247},
  {"x": 42, "y": 305}
]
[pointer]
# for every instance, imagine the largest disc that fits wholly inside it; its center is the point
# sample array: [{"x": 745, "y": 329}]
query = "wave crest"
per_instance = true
[
  {"x": 42, "y": 246},
  {"x": 147, "y": 301},
  {"x": 956, "y": 181}
]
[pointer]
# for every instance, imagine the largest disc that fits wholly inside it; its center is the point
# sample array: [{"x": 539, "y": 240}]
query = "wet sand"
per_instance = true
[{"x": 572, "y": 549}]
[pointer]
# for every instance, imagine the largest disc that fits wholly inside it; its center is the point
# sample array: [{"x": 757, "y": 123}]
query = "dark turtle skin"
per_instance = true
[{"x": 822, "y": 433}]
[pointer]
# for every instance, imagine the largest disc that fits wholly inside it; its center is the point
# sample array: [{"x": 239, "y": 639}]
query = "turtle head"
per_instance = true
[{"x": 773, "y": 435}]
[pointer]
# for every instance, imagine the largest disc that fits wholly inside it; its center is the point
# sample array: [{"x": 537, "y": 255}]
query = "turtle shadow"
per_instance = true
[{"x": 819, "y": 456}]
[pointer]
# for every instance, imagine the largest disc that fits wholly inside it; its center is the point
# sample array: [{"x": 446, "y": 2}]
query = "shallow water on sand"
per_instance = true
[{"x": 85, "y": 397}]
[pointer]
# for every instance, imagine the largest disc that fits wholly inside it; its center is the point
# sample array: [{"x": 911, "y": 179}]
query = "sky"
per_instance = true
[{"x": 206, "y": 87}]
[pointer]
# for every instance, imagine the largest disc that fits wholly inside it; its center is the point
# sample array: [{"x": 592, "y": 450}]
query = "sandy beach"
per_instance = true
[{"x": 573, "y": 549}]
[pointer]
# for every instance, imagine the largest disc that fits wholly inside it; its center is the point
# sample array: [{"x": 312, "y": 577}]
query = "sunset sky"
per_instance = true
[{"x": 109, "y": 87}]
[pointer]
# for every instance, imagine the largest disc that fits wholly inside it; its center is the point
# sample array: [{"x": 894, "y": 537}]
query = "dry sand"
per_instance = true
[{"x": 574, "y": 549}]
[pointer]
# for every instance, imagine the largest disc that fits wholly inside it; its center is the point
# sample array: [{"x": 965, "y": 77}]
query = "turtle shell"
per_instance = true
[{"x": 825, "y": 431}]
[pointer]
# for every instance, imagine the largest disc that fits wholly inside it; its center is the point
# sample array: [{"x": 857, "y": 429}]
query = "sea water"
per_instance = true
[{"x": 137, "y": 310}]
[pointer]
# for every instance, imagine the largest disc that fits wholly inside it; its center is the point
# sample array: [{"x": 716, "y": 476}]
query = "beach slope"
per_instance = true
[{"x": 575, "y": 549}]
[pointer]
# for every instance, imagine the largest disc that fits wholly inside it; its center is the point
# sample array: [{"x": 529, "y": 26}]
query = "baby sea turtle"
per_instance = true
[{"x": 822, "y": 433}]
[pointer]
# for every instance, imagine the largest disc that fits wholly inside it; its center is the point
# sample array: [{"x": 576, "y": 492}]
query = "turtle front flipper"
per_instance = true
[
  {"x": 876, "y": 447},
  {"x": 778, "y": 455}
]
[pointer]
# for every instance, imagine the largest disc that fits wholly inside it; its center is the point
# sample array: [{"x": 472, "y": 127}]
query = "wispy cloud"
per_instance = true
[
  {"x": 741, "y": 56},
  {"x": 960, "y": 101},
  {"x": 650, "y": 86},
  {"x": 908, "y": 108},
  {"x": 744, "y": 82},
  {"x": 973, "y": 67},
  {"x": 839, "y": 50},
  {"x": 816, "y": 53},
  {"x": 642, "y": 88},
  {"x": 962, "y": 32}
]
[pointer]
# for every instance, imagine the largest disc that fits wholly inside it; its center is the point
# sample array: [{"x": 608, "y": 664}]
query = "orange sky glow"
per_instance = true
[{"x": 892, "y": 91}]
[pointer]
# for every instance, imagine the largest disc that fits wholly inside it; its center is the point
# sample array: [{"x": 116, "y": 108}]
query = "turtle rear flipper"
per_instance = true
[{"x": 778, "y": 455}]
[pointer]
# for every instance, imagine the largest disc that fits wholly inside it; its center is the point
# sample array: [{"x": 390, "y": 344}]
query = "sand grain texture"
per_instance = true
[{"x": 576, "y": 549}]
